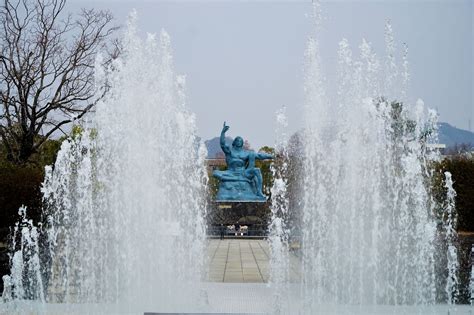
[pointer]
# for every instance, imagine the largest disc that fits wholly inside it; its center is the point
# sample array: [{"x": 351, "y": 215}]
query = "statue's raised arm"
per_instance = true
[{"x": 224, "y": 146}]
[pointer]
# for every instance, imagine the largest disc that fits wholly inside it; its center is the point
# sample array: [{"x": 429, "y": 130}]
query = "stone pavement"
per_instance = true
[{"x": 238, "y": 260}]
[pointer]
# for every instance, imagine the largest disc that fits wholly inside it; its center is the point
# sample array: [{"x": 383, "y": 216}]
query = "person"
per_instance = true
[
  {"x": 241, "y": 163},
  {"x": 222, "y": 231}
]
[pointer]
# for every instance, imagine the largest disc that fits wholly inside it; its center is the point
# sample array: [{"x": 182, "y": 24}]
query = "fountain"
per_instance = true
[
  {"x": 279, "y": 232},
  {"x": 369, "y": 227},
  {"x": 125, "y": 199},
  {"x": 449, "y": 229},
  {"x": 471, "y": 280}
]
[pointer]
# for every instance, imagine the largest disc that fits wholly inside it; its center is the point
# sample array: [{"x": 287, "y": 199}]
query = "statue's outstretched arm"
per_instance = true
[
  {"x": 263, "y": 156},
  {"x": 224, "y": 146}
]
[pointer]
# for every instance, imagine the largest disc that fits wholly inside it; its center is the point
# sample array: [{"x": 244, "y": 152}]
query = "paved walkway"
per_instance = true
[{"x": 238, "y": 260}]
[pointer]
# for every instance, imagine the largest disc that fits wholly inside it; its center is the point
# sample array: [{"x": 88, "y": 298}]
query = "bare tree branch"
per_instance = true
[{"x": 47, "y": 62}]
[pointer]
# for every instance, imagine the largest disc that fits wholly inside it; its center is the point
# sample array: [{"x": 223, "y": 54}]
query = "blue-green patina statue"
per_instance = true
[{"x": 241, "y": 181}]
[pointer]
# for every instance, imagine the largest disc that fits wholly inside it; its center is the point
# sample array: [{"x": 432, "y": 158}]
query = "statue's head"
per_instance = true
[{"x": 238, "y": 142}]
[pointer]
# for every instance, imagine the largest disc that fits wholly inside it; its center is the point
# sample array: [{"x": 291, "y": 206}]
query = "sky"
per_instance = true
[{"x": 243, "y": 60}]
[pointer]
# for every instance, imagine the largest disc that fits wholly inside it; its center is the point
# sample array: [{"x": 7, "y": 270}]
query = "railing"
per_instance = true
[{"x": 216, "y": 231}]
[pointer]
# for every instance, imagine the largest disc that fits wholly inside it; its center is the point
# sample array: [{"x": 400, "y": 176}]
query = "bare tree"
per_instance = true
[{"x": 46, "y": 70}]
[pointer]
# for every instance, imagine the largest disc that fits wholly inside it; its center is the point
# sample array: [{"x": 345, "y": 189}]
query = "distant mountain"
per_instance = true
[
  {"x": 447, "y": 135},
  {"x": 451, "y": 136},
  {"x": 214, "y": 148}
]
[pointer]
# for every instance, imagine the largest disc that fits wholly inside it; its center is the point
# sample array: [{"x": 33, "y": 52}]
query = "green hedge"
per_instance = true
[
  {"x": 462, "y": 170},
  {"x": 19, "y": 186}
]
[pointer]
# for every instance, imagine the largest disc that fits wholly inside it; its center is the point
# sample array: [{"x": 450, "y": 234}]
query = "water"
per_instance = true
[
  {"x": 449, "y": 229},
  {"x": 125, "y": 199},
  {"x": 25, "y": 263},
  {"x": 369, "y": 232},
  {"x": 279, "y": 230},
  {"x": 471, "y": 280}
]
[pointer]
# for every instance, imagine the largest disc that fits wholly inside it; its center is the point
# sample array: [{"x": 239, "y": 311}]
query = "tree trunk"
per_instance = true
[{"x": 26, "y": 148}]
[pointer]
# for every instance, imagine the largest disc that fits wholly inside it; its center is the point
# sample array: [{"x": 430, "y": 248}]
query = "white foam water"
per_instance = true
[
  {"x": 369, "y": 229},
  {"x": 279, "y": 230},
  {"x": 125, "y": 200}
]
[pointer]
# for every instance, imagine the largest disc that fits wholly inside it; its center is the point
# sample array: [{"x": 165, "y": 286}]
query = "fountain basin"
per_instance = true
[{"x": 230, "y": 298}]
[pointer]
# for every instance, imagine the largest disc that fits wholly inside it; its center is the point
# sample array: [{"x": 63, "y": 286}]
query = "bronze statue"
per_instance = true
[{"x": 241, "y": 181}]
